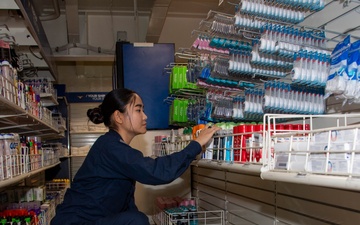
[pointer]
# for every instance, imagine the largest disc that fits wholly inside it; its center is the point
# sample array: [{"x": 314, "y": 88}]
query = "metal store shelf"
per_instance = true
[
  {"x": 327, "y": 155},
  {"x": 14, "y": 119},
  {"x": 19, "y": 178}
]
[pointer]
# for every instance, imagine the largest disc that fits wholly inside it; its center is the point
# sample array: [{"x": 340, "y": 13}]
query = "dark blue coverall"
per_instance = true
[{"x": 102, "y": 192}]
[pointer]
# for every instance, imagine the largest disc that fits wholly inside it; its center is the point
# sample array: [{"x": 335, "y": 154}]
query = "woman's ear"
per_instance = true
[{"x": 118, "y": 117}]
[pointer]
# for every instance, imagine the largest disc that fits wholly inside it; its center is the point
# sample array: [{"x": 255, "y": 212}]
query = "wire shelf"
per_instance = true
[{"x": 328, "y": 154}]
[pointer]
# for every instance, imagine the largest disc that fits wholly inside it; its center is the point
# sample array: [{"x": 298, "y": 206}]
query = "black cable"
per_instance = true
[{"x": 34, "y": 54}]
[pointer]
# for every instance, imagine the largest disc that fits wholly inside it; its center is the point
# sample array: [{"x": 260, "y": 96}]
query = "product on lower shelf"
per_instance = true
[{"x": 184, "y": 211}]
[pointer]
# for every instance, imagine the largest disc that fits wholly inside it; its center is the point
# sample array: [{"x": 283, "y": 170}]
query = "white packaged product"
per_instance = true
[
  {"x": 8, "y": 151},
  {"x": 350, "y": 90},
  {"x": 295, "y": 145},
  {"x": 336, "y": 136},
  {"x": 357, "y": 91},
  {"x": 337, "y": 78},
  {"x": 296, "y": 163},
  {"x": 320, "y": 165}
]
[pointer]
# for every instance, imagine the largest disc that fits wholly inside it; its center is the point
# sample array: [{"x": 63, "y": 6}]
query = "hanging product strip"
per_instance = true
[
  {"x": 280, "y": 10},
  {"x": 222, "y": 42},
  {"x": 188, "y": 106},
  {"x": 284, "y": 98},
  {"x": 221, "y": 24},
  {"x": 221, "y": 107},
  {"x": 269, "y": 11},
  {"x": 186, "y": 99},
  {"x": 240, "y": 64},
  {"x": 216, "y": 63},
  {"x": 201, "y": 63},
  {"x": 186, "y": 109},
  {"x": 288, "y": 46}
]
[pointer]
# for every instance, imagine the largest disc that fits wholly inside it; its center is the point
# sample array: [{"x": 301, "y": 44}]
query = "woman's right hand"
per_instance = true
[{"x": 206, "y": 134}]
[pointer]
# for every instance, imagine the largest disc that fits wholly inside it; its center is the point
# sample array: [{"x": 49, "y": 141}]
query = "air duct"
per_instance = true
[
  {"x": 54, "y": 15},
  {"x": 157, "y": 20},
  {"x": 72, "y": 21}
]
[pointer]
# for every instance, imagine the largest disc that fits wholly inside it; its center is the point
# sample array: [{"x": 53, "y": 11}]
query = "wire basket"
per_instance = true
[{"x": 189, "y": 218}]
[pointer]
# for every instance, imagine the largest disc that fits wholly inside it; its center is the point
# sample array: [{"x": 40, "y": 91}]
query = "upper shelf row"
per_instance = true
[{"x": 15, "y": 119}]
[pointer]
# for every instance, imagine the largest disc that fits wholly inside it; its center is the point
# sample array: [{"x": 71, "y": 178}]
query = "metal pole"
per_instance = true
[
  {"x": 136, "y": 20},
  {"x": 341, "y": 15}
]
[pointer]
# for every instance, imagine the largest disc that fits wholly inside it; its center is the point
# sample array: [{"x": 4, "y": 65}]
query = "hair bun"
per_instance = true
[{"x": 95, "y": 115}]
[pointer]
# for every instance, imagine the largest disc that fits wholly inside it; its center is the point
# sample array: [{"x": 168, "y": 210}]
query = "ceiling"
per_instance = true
[
  {"x": 338, "y": 16},
  {"x": 157, "y": 10},
  {"x": 126, "y": 6}
]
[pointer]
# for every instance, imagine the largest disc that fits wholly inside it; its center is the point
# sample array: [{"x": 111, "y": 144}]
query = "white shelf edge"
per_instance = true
[
  {"x": 332, "y": 181},
  {"x": 46, "y": 104},
  {"x": 12, "y": 104},
  {"x": 48, "y": 99},
  {"x": 44, "y": 95},
  {"x": 63, "y": 98},
  {"x": 235, "y": 167},
  {"x": 88, "y": 132},
  {"x": 17, "y": 179},
  {"x": 62, "y": 128}
]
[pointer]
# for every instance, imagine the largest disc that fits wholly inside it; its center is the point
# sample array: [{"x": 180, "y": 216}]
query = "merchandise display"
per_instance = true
[
  {"x": 323, "y": 151},
  {"x": 32, "y": 205},
  {"x": 282, "y": 85},
  {"x": 234, "y": 61},
  {"x": 266, "y": 84},
  {"x": 30, "y": 125},
  {"x": 344, "y": 76}
]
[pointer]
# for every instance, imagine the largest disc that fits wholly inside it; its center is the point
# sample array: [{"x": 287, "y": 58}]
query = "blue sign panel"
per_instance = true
[{"x": 81, "y": 97}]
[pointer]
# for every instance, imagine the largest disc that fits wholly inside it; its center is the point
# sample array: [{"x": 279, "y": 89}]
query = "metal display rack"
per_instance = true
[
  {"x": 326, "y": 155},
  {"x": 15, "y": 119},
  {"x": 325, "y": 151}
]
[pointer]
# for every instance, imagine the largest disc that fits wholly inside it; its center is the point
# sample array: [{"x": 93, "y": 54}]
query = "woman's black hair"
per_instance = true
[{"x": 116, "y": 99}]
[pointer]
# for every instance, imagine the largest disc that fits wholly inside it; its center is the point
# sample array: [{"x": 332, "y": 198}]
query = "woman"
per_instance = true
[{"x": 102, "y": 192}]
